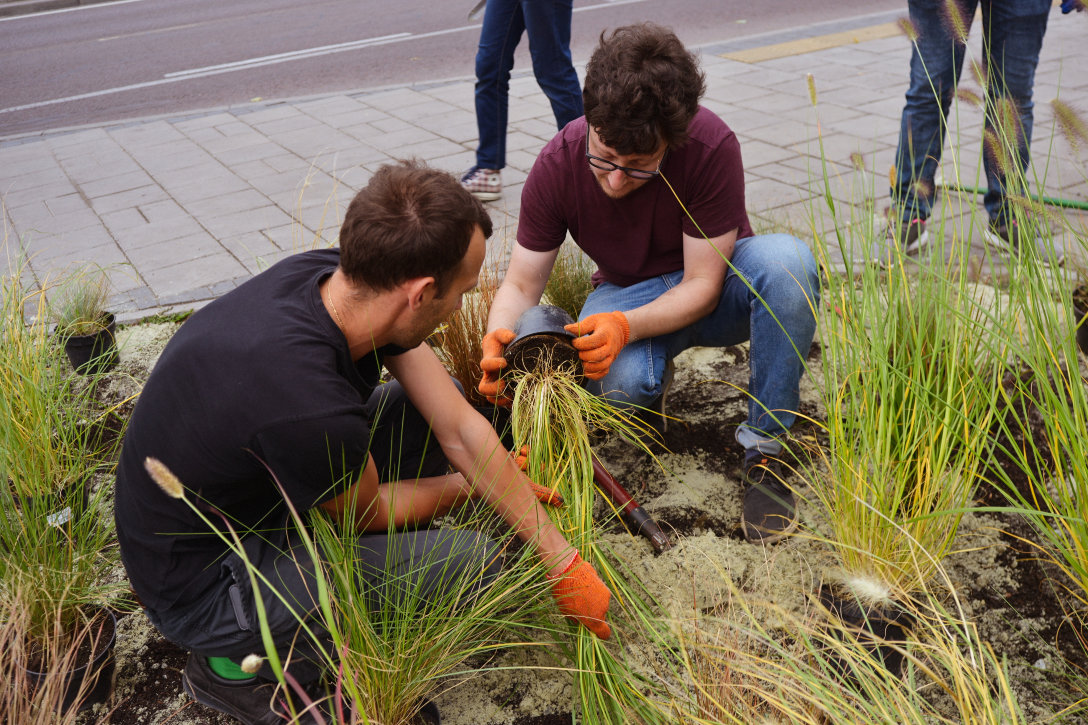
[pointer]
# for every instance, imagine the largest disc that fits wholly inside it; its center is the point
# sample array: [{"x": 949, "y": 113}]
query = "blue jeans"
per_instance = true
[
  {"x": 1012, "y": 34},
  {"x": 770, "y": 296},
  {"x": 548, "y": 25}
]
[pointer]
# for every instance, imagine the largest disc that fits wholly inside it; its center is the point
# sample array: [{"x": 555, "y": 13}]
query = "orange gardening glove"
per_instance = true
[
  {"x": 543, "y": 494},
  {"x": 600, "y": 338},
  {"x": 491, "y": 363},
  {"x": 582, "y": 596}
]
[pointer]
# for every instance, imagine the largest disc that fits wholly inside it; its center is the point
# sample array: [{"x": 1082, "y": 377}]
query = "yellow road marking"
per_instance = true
[{"x": 820, "y": 42}]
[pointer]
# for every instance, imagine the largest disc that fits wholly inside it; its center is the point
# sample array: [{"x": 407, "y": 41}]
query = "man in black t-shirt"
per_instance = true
[{"x": 272, "y": 391}]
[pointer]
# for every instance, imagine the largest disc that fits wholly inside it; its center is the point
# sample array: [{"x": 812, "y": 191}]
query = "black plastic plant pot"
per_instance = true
[
  {"x": 1080, "y": 314},
  {"x": 96, "y": 352},
  {"x": 95, "y": 678},
  {"x": 880, "y": 629},
  {"x": 540, "y": 340},
  {"x": 428, "y": 714}
]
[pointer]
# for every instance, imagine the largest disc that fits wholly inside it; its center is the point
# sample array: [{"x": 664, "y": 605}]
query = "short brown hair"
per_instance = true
[
  {"x": 409, "y": 221},
  {"x": 642, "y": 87}
]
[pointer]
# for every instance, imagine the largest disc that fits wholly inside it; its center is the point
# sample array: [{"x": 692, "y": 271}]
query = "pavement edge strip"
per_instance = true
[{"x": 819, "y": 42}]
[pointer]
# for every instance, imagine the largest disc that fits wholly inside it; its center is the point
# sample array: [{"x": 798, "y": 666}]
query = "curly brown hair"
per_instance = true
[
  {"x": 409, "y": 221},
  {"x": 642, "y": 87}
]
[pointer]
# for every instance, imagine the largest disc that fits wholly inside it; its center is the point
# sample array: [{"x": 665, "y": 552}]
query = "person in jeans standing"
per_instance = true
[
  {"x": 1012, "y": 36},
  {"x": 650, "y": 185},
  {"x": 547, "y": 23}
]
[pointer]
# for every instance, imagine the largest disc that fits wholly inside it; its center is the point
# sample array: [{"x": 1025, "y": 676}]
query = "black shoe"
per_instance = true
[
  {"x": 428, "y": 714},
  {"x": 254, "y": 701},
  {"x": 770, "y": 509}
]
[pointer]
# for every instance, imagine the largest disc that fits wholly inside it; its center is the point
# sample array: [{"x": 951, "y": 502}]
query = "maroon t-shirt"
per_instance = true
[{"x": 640, "y": 235}]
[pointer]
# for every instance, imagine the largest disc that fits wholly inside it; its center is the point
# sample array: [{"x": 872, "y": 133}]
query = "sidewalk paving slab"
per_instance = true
[{"x": 185, "y": 207}]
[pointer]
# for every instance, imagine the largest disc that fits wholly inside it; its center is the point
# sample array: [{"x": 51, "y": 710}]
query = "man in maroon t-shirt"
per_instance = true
[{"x": 651, "y": 186}]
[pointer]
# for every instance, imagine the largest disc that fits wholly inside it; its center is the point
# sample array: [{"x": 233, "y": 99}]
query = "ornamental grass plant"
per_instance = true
[
  {"x": 24, "y": 698},
  {"x": 570, "y": 281},
  {"x": 911, "y": 370},
  {"x": 1043, "y": 427},
  {"x": 78, "y": 304},
  {"x": 457, "y": 341},
  {"x": 552, "y": 415},
  {"x": 393, "y": 646},
  {"x": 43, "y": 438},
  {"x": 55, "y": 532},
  {"x": 760, "y": 663}
]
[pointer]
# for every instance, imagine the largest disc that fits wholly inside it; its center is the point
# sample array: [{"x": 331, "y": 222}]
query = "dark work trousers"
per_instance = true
[{"x": 428, "y": 563}]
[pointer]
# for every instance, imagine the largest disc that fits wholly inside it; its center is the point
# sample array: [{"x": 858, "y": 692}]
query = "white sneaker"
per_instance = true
[{"x": 1012, "y": 239}]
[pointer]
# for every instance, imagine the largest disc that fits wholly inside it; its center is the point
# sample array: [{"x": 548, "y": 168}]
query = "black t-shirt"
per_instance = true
[{"x": 259, "y": 380}]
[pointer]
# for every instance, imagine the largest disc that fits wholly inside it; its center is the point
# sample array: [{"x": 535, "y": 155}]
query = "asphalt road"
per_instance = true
[{"x": 135, "y": 58}]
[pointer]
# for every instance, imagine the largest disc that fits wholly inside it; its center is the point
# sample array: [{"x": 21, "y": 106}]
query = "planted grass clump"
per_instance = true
[
  {"x": 759, "y": 662},
  {"x": 396, "y": 632},
  {"x": 552, "y": 415},
  {"x": 27, "y": 697},
  {"x": 911, "y": 374},
  {"x": 570, "y": 282},
  {"x": 1048, "y": 475},
  {"x": 56, "y": 551},
  {"x": 42, "y": 443}
]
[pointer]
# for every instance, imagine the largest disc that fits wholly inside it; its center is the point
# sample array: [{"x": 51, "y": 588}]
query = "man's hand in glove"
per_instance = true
[
  {"x": 600, "y": 338},
  {"x": 582, "y": 596},
  {"x": 492, "y": 363},
  {"x": 545, "y": 495}
]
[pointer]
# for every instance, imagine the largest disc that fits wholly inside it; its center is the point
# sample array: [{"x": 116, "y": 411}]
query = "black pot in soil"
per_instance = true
[
  {"x": 96, "y": 352},
  {"x": 94, "y": 674},
  {"x": 428, "y": 714},
  {"x": 539, "y": 339},
  {"x": 880, "y": 629},
  {"x": 1080, "y": 315}
]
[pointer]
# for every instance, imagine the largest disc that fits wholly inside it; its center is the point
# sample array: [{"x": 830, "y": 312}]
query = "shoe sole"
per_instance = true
[
  {"x": 487, "y": 195},
  {"x": 772, "y": 539}
]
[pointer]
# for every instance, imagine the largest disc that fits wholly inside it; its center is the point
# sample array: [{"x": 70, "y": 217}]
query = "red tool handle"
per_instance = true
[
  {"x": 636, "y": 517},
  {"x": 612, "y": 488}
]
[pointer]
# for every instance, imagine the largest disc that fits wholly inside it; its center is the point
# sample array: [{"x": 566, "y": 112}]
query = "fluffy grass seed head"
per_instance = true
[
  {"x": 811, "y": 80},
  {"x": 252, "y": 663},
  {"x": 867, "y": 589},
  {"x": 997, "y": 150},
  {"x": 1070, "y": 123},
  {"x": 163, "y": 476},
  {"x": 968, "y": 95},
  {"x": 908, "y": 29},
  {"x": 959, "y": 22}
]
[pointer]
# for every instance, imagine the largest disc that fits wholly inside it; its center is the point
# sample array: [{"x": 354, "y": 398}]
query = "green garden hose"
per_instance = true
[{"x": 1049, "y": 200}]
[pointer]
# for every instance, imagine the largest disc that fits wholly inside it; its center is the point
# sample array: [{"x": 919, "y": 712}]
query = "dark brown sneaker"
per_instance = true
[{"x": 770, "y": 508}]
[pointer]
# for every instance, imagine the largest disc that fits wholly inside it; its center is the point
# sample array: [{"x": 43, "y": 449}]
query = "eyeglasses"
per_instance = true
[{"x": 605, "y": 165}]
